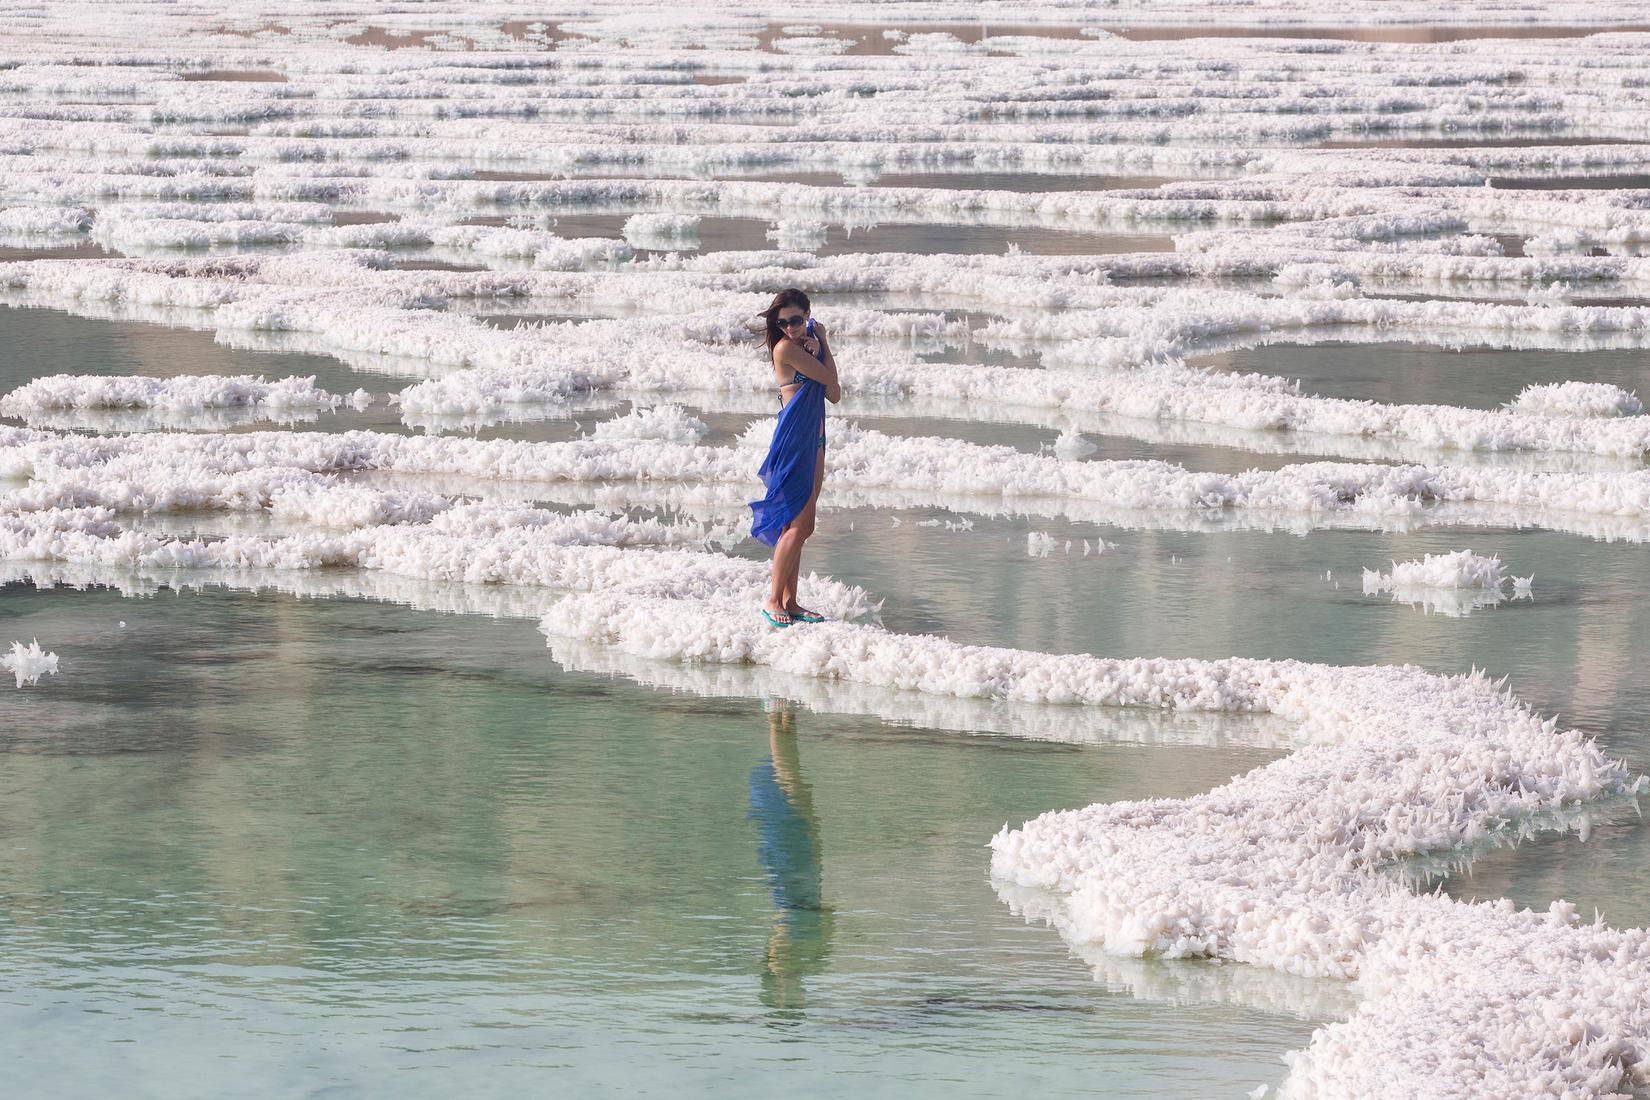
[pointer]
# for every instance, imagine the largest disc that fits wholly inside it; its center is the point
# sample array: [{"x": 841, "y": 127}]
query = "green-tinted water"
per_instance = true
[{"x": 345, "y": 845}]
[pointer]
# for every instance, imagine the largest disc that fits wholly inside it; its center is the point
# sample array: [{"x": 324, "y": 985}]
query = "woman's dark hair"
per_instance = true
[{"x": 790, "y": 296}]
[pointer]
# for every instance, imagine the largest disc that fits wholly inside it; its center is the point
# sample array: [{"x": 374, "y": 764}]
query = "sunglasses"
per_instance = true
[{"x": 792, "y": 322}]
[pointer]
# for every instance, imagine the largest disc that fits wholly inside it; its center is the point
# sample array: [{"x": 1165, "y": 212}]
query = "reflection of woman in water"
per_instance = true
[{"x": 788, "y": 845}]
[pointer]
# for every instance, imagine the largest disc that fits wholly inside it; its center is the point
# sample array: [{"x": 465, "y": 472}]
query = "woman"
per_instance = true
[{"x": 805, "y": 372}]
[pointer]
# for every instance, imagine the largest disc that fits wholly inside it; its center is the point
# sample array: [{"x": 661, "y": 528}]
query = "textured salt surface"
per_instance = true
[
  {"x": 181, "y": 396},
  {"x": 1453, "y": 584},
  {"x": 1578, "y": 399},
  {"x": 654, "y": 447},
  {"x": 538, "y": 365},
  {"x": 29, "y": 664}
]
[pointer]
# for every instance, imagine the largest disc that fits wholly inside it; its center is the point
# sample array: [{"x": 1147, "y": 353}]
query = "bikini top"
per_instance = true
[{"x": 799, "y": 377}]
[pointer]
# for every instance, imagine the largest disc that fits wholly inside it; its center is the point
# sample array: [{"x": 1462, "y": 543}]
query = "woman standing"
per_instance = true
[{"x": 805, "y": 372}]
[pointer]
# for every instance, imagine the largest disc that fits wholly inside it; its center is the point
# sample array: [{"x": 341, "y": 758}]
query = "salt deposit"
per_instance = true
[
  {"x": 28, "y": 665},
  {"x": 1454, "y": 584},
  {"x": 1577, "y": 399},
  {"x": 1459, "y": 569},
  {"x": 669, "y": 423},
  {"x": 508, "y": 367},
  {"x": 178, "y": 395},
  {"x": 662, "y": 231},
  {"x": 651, "y": 447}
]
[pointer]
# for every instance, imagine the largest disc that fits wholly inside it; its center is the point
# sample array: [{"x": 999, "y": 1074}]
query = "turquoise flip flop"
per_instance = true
[
  {"x": 808, "y": 617},
  {"x": 775, "y": 621}
]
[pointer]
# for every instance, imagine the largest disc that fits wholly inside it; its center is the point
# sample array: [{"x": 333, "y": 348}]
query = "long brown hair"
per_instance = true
[{"x": 790, "y": 296}]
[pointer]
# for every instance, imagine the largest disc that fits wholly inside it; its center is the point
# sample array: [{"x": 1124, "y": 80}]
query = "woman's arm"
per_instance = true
[
  {"x": 833, "y": 394},
  {"x": 825, "y": 346},
  {"x": 793, "y": 358}
]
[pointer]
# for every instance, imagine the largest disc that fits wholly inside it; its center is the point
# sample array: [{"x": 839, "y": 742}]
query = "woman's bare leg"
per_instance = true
[
  {"x": 787, "y": 551},
  {"x": 787, "y": 555},
  {"x": 805, "y": 521}
]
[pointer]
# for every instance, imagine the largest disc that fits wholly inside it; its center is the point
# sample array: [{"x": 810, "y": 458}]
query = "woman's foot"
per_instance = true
[
  {"x": 802, "y": 615},
  {"x": 776, "y": 613}
]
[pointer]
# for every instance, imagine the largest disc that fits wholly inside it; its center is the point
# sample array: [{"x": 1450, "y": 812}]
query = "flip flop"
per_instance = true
[
  {"x": 775, "y": 621},
  {"x": 807, "y": 617}
]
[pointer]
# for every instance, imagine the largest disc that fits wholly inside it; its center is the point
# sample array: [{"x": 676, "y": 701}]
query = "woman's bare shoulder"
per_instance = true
[{"x": 787, "y": 351}]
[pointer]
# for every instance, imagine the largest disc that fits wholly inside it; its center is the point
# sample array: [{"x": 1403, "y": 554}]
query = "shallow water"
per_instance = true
[
  {"x": 866, "y": 39},
  {"x": 548, "y": 868},
  {"x": 349, "y": 842},
  {"x": 60, "y": 343},
  {"x": 1425, "y": 374},
  {"x": 715, "y": 234}
]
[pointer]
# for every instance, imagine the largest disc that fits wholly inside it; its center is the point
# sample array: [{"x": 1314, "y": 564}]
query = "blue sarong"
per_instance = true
[
  {"x": 786, "y": 844},
  {"x": 788, "y": 471}
]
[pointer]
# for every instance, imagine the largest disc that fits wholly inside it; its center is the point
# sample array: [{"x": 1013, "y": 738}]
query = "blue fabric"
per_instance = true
[
  {"x": 788, "y": 471},
  {"x": 786, "y": 843}
]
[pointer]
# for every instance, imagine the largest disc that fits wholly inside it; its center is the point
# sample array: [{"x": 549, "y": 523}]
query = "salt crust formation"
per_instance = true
[
  {"x": 1454, "y": 584},
  {"x": 1578, "y": 399},
  {"x": 285, "y": 213},
  {"x": 1458, "y": 569},
  {"x": 28, "y": 665},
  {"x": 183, "y": 394},
  {"x": 166, "y": 472},
  {"x": 498, "y": 369}
]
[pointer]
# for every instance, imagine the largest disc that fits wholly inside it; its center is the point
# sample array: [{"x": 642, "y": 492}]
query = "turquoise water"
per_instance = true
[
  {"x": 342, "y": 841},
  {"x": 341, "y": 844}
]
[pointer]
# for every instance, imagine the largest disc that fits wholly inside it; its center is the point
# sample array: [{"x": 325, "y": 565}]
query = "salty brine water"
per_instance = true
[
  {"x": 342, "y": 841},
  {"x": 374, "y": 446}
]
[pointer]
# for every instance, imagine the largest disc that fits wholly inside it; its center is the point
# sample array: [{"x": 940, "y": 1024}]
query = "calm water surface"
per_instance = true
[{"x": 345, "y": 845}]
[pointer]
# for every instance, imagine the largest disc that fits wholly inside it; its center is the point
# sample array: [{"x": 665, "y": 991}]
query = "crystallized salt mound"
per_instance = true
[
  {"x": 178, "y": 394},
  {"x": 798, "y": 234},
  {"x": 43, "y": 221},
  {"x": 472, "y": 543},
  {"x": 1070, "y": 444},
  {"x": 28, "y": 665},
  {"x": 1453, "y": 585},
  {"x": 669, "y": 423},
  {"x": 1460, "y": 569},
  {"x": 1449, "y": 584},
  {"x": 662, "y": 231},
  {"x": 1577, "y": 399},
  {"x": 352, "y": 309}
]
